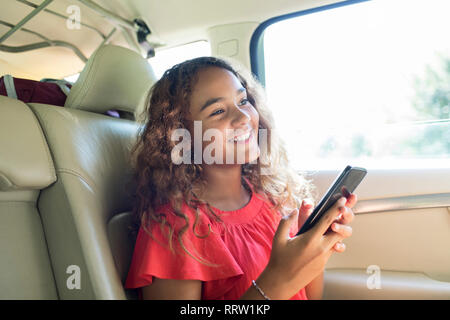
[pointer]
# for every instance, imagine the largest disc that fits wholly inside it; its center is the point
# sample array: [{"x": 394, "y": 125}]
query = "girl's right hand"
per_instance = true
[{"x": 295, "y": 262}]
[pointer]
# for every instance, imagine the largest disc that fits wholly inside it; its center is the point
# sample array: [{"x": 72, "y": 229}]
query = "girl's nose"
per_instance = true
[{"x": 241, "y": 116}]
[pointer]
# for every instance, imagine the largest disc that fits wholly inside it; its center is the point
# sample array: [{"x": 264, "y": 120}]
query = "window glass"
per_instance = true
[
  {"x": 166, "y": 58},
  {"x": 363, "y": 84},
  {"x": 73, "y": 78}
]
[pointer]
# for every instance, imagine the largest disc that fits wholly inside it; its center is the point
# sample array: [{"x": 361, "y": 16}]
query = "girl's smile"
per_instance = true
[{"x": 242, "y": 138}]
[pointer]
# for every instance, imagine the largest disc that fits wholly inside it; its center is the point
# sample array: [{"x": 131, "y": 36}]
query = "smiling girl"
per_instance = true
[{"x": 223, "y": 230}]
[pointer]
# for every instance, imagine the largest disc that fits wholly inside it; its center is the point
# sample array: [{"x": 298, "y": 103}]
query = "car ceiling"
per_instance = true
[{"x": 172, "y": 22}]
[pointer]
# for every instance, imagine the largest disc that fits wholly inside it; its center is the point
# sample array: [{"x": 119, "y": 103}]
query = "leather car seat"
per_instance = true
[
  {"x": 26, "y": 167},
  {"x": 86, "y": 212}
]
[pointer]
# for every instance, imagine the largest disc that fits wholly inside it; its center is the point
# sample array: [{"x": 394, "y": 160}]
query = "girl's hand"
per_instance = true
[
  {"x": 341, "y": 223},
  {"x": 295, "y": 262}
]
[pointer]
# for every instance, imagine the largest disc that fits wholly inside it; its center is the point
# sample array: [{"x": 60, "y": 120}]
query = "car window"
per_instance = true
[
  {"x": 73, "y": 78},
  {"x": 166, "y": 58},
  {"x": 366, "y": 83}
]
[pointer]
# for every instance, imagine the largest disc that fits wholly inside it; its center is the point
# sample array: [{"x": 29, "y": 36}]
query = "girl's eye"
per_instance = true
[
  {"x": 217, "y": 112},
  {"x": 244, "y": 101}
]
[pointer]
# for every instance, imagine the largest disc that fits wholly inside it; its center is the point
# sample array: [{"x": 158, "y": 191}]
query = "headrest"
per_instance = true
[
  {"x": 25, "y": 161},
  {"x": 114, "y": 78}
]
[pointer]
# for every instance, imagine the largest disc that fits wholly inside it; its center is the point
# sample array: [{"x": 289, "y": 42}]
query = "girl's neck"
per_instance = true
[{"x": 224, "y": 187}]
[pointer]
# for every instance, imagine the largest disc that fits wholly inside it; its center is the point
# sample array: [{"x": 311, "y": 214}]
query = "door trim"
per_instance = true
[{"x": 427, "y": 201}]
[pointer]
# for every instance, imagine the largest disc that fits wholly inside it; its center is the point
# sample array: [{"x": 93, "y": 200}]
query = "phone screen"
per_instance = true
[{"x": 344, "y": 185}]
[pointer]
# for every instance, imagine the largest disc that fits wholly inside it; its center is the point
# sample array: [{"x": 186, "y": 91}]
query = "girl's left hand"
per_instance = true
[{"x": 341, "y": 225}]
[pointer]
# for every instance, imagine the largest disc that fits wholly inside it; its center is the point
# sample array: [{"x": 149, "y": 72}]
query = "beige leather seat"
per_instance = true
[
  {"x": 85, "y": 213},
  {"x": 26, "y": 167}
]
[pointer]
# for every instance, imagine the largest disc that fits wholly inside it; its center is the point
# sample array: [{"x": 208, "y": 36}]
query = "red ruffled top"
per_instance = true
[{"x": 234, "y": 253}]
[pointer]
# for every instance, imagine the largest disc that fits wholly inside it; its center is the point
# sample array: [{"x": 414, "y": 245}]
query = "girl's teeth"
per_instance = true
[{"x": 242, "y": 138}]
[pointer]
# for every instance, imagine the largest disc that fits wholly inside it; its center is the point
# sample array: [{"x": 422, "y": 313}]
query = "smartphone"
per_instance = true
[{"x": 344, "y": 185}]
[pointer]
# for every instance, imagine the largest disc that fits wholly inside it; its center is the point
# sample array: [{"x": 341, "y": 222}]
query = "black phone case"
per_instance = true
[{"x": 345, "y": 184}]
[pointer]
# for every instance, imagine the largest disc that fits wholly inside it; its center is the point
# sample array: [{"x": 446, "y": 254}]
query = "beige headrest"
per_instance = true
[
  {"x": 114, "y": 78},
  {"x": 25, "y": 160}
]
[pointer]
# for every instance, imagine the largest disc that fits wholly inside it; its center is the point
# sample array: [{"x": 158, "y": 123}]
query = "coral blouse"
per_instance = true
[{"x": 234, "y": 253}]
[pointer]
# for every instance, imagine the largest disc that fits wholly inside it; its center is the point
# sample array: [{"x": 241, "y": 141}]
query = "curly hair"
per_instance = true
[{"x": 158, "y": 181}]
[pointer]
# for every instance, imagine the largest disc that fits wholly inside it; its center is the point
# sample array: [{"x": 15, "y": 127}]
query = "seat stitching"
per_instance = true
[
  {"x": 90, "y": 74},
  {"x": 18, "y": 201},
  {"x": 44, "y": 142},
  {"x": 74, "y": 173}
]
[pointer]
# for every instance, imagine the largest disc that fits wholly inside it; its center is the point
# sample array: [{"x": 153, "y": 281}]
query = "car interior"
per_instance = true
[{"x": 65, "y": 209}]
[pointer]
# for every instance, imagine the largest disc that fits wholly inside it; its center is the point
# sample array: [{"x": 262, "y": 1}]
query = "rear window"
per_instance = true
[
  {"x": 166, "y": 58},
  {"x": 364, "y": 84}
]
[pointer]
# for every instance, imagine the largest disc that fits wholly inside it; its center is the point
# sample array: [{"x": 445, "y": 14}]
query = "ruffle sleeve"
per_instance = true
[{"x": 208, "y": 258}]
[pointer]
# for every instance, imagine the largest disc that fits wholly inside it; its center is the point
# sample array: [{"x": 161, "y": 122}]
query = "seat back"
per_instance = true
[
  {"x": 26, "y": 167},
  {"x": 86, "y": 213}
]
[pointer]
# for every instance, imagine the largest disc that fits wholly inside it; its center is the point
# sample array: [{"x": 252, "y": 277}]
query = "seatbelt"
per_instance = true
[
  {"x": 9, "y": 86},
  {"x": 62, "y": 84}
]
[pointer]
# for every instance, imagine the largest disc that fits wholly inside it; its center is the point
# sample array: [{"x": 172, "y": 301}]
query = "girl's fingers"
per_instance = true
[
  {"x": 346, "y": 216},
  {"x": 329, "y": 254},
  {"x": 351, "y": 200},
  {"x": 344, "y": 230},
  {"x": 282, "y": 232},
  {"x": 340, "y": 228},
  {"x": 330, "y": 239},
  {"x": 328, "y": 218},
  {"x": 339, "y": 247}
]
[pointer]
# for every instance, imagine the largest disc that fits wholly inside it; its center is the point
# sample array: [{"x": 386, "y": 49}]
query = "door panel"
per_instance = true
[
  {"x": 352, "y": 284},
  {"x": 402, "y": 229}
]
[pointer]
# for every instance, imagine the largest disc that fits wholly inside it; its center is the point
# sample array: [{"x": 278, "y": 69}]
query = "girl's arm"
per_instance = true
[
  {"x": 314, "y": 289},
  {"x": 168, "y": 289}
]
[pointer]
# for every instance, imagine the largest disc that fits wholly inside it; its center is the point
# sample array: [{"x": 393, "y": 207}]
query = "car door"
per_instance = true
[
  {"x": 400, "y": 247},
  {"x": 348, "y": 86}
]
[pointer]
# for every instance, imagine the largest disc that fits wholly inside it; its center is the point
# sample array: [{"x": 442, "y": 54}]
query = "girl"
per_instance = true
[{"x": 222, "y": 229}]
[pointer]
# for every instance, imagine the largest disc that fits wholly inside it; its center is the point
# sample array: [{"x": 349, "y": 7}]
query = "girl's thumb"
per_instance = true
[
  {"x": 306, "y": 207},
  {"x": 305, "y": 211},
  {"x": 282, "y": 233}
]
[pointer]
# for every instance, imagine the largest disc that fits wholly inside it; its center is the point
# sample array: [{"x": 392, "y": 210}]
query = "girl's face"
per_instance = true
[{"x": 229, "y": 123}]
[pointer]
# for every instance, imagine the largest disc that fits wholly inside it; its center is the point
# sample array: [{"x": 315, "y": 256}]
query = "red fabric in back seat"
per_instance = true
[{"x": 36, "y": 91}]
